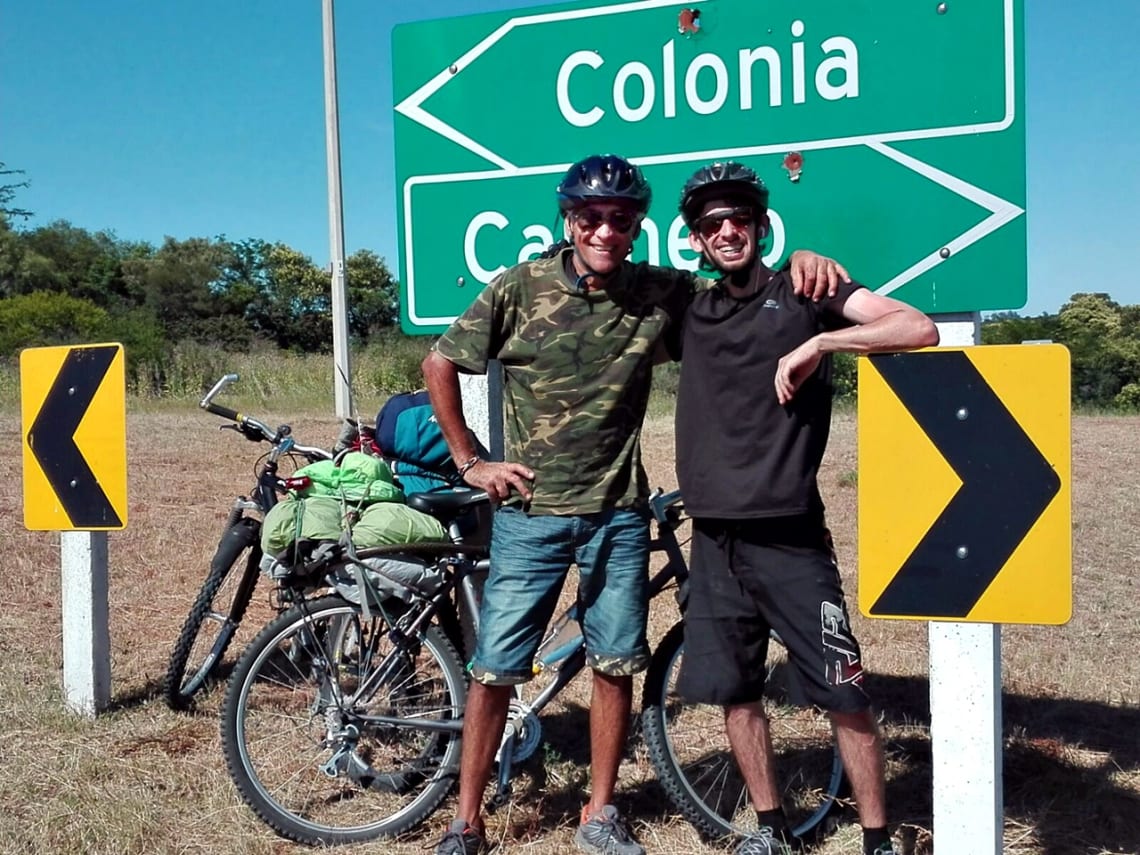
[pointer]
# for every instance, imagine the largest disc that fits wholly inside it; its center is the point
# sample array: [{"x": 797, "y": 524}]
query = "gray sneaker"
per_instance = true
[
  {"x": 461, "y": 839},
  {"x": 762, "y": 841},
  {"x": 607, "y": 834},
  {"x": 885, "y": 849}
]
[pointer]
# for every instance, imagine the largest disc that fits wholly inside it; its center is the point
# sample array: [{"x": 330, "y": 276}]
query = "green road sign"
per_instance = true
[{"x": 907, "y": 119}]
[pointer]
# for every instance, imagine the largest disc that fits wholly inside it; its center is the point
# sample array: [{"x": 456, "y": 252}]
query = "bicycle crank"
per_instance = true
[{"x": 527, "y": 731}]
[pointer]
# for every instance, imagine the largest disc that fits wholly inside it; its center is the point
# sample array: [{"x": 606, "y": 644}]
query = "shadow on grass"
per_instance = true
[
  {"x": 554, "y": 783},
  {"x": 1071, "y": 771},
  {"x": 549, "y": 789},
  {"x": 154, "y": 689},
  {"x": 1070, "y": 774},
  {"x": 137, "y": 696}
]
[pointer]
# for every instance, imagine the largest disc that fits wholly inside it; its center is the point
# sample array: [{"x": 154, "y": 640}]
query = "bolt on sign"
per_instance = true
[
  {"x": 73, "y": 405},
  {"x": 890, "y": 132},
  {"x": 965, "y": 484}
]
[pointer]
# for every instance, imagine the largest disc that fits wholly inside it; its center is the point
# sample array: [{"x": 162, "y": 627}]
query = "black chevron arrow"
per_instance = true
[
  {"x": 52, "y": 438},
  {"x": 1006, "y": 485}
]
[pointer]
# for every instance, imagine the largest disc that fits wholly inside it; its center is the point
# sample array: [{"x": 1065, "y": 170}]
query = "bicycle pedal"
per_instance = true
[{"x": 497, "y": 801}]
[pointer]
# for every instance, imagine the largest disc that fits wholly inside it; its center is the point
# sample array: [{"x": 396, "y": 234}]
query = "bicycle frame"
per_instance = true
[{"x": 666, "y": 513}]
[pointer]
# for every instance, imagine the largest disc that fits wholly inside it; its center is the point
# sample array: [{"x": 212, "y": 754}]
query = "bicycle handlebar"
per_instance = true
[{"x": 255, "y": 429}]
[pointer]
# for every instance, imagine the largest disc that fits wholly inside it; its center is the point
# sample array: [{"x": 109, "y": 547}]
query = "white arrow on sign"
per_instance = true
[
  {"x": 1001, "y": 210},
  {"x": 413, "y": 108}
]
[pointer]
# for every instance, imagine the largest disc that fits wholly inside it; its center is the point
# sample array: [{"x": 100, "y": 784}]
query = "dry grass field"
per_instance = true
[{"x": 143, "y": 779}]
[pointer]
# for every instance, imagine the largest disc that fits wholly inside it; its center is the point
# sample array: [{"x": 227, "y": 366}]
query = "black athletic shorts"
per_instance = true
[{"x": 750, "y": 576}]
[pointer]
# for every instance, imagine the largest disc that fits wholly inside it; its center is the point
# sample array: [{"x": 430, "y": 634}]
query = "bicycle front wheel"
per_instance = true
[
  {"x": 215, "y": 615},
  {"x": 694, "y": 762},
  {"x": 338, "y": 729}
]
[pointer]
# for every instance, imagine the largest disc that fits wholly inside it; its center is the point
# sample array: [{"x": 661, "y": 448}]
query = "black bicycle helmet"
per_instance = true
[
  {"x": 603, "y": 176},
  {"x": 723, "y": 178}
]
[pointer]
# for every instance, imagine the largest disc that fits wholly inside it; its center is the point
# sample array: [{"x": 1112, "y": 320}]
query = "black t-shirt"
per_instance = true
[{"x": 740, "y": 454}]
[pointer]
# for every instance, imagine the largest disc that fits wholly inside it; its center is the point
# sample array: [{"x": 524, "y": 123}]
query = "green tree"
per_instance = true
[
  {"x": 1105, "y": 353},
  {"x": 48, "y": 318},
  {"x": 177, "y": 284},
  {"x": 373, "y": 295},
  {"x": 294, "y": 311},
  {"x": 1128, "y": 399},
  {"x": 11, "y": 252},
  {"x": 287, "y": 299},
  {"x": 62, "y": 257},
  {"x": 1012, "y": 328},
  {"x": 844, "y": 378},
  {"x": 8, "y": 194}
]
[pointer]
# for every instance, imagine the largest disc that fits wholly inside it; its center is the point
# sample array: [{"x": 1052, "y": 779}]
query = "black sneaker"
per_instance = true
[
  {"x": 461, "y": 839},
  {"x": 607, "y": 834},
  {"x": 887, "y": 848}
]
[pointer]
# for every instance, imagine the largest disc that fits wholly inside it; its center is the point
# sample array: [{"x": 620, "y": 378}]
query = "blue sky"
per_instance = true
[{"x": 207, "y": 118}]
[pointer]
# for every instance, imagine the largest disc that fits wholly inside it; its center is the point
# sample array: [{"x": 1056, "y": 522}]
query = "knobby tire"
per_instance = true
[
  {"x": 690, "y": 752},
  {"x": 295, "y": 733},
  {"x": 196, "y": 656}
]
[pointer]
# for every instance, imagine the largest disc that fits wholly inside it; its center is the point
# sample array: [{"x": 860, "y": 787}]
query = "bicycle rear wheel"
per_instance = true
[
  {"x": 215, "y": 615},
  {"x": 694, "y": 763},
  {"x": 300, "y": 726}
]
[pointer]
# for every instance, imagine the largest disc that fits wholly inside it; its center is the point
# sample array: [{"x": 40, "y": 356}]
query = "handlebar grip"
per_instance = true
[{"x": 224, "y": 412}]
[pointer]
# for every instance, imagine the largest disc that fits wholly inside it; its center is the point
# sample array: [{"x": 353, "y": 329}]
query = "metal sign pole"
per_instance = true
[{"x": 342, "y": 369}]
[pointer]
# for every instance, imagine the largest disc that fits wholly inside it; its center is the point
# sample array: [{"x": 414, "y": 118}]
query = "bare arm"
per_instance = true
[
  {"x": 498, "y": 479},
  {"x": 882, "y": 324}
]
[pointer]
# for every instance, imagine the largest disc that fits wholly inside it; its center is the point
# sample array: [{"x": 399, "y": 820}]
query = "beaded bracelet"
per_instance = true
[{"x": 469, "y": 464}]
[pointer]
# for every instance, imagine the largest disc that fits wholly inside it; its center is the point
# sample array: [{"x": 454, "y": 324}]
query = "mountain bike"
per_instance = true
[
  {"x": 343, "y": 718},
  {"x": 228, "y": 588}
]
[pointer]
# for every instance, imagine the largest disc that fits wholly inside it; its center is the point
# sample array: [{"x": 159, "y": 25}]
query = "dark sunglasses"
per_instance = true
[
  {"x": 710, "y": 224},
  {"x": 590, "y": 219}
]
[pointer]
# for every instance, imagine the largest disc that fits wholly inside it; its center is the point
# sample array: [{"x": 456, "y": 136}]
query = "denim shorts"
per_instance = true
[{"x": 530, "y": 559}]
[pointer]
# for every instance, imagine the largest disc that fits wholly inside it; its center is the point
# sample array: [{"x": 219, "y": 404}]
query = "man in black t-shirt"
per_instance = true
[{"x": 753, "y": 415}]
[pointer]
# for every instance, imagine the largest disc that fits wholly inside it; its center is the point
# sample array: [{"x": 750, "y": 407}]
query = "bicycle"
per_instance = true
[
  {"x": 343, "y": 718},
  {"x": 227, "y": 591}
]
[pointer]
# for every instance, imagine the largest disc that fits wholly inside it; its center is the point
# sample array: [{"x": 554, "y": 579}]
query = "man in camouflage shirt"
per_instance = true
[{"x": 577, "y": 334}]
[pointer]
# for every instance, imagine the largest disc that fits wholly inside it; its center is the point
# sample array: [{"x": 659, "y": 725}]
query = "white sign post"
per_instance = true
[
  {"x": 965, "y": 704},
  {"x": 86, "y": 632},
  {"x": 965, "y": 736}
]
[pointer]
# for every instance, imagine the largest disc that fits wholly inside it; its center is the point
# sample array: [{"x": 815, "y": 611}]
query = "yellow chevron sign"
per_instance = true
[
  {"x": 964, "y": 485},
  {"x": 73, "y": 403}
]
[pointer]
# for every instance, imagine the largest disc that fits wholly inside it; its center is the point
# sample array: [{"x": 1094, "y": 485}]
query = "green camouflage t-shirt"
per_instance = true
[{"x": 577, "y": 367}]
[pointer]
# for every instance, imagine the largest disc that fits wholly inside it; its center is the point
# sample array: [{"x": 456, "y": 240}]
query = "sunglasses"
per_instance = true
[
  {"x": 590, "y": 219},
  {"x": 710, "y": 224}
]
